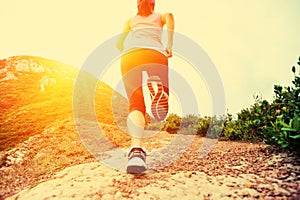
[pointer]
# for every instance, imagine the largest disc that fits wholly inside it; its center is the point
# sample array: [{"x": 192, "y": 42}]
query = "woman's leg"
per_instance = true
[
  {"x": 159, "y": 79},
  {"x": 135, "y": 124},
  {"x": 132, "y": 79},
  {"x": 132, "y": 66}
]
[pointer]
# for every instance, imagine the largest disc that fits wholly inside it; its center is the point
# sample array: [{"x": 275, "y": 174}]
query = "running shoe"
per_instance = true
[
  {"x": 136, "y": 161},
  {"x": 159, "y": 98}
]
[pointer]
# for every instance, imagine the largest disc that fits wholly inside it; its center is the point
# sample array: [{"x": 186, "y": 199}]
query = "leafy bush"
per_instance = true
[
  {"x": 287, "y": 135},
  {"x": 250, "y": 123},
  {"x": 189, "y": 125},
  {"x": 285, "y": 131},
  {"x": 172, "y": 123},
  {"x": 203, "y": 126},
  {"x": 211, "y": 127},
  {"x": 275, "y": 123},
  {"x": 192, "y": 124},
  {"x": 216, "y": 127}
]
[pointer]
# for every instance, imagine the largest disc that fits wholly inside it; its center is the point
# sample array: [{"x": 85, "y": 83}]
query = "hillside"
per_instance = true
[
  {"x": 38, "y": 132},
  {"x": 36, "y": 92}
]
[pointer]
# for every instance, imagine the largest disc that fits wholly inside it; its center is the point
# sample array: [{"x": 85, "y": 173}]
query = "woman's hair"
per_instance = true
[{"x": 145, "y": 7}]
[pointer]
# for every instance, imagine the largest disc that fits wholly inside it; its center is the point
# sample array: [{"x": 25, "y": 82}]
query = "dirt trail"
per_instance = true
[
  {"x": 93, "y": 181},
  {"x": 230, "y": 171}
]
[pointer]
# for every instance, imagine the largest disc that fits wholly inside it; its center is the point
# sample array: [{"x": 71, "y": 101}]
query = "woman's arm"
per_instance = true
[
  {"x": 126, "y": 29},
  {"x": 168, "y": 19}
]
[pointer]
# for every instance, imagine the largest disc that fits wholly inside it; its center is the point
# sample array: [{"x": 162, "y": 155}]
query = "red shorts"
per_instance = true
[{"x": 133, "y": 64}]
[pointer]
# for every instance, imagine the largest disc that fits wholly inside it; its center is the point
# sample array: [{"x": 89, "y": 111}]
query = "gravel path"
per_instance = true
[{"x": 230, "y": 170}]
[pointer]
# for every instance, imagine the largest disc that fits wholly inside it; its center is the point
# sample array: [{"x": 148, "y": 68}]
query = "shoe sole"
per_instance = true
[
  {"x": 135, "y": 169},
  {"x": 159, "y": 105}
]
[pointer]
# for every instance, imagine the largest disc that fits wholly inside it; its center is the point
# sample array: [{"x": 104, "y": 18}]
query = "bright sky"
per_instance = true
[{"x": 253, "y": 43}]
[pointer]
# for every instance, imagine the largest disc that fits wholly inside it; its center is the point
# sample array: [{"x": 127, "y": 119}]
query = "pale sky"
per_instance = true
[{"x": 253, "y": 43}]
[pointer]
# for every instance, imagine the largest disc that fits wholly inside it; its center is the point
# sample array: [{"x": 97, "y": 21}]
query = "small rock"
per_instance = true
[
  {"x": 248, "y": 185},
  {"x": 255, "y": 196},
  {"x": 230, "y": 185},
  {"x": 188, "y": 174},
  {"x": 245, "y": 194}
]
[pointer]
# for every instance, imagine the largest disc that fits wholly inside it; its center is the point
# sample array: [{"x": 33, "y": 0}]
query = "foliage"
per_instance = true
[
  {"x": 172, "y": 123},
  {"x": 250, "y": 123},
  {"x": 285, "y": 130},
  {"x": 189, "y": 125},
  {"x": 275, "y": 123},
  {"x": 192, "y": 124},
  {"x": 287, "y": 135},
  {"x": 203, "y": 125}
]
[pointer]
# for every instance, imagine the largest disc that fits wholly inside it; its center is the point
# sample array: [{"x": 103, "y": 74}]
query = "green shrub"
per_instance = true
[
  {"x": 275, "y": 123},
  {"x": 203, "y": 126},
  {"x": 192, "y": 124},
  {"x": 189, "y": 125},
  {"x": 249, "y": 124},
  {"x": 172, "y": 123},
  {"x": 286, "y": 135},
  {"x": 285, "y": 130},
  {"x": 211, "y": 127}
]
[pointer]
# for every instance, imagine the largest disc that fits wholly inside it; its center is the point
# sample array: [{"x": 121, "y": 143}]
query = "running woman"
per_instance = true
[{"x": 145, "y": 52}]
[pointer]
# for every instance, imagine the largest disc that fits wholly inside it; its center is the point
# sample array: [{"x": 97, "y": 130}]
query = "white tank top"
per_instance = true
[{"x": 146, "y": 32}]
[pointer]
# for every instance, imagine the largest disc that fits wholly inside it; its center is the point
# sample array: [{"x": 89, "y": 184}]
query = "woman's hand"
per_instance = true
[
  {"x": 169, "y": 52},
  {"x": 168, "y": 19}
]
